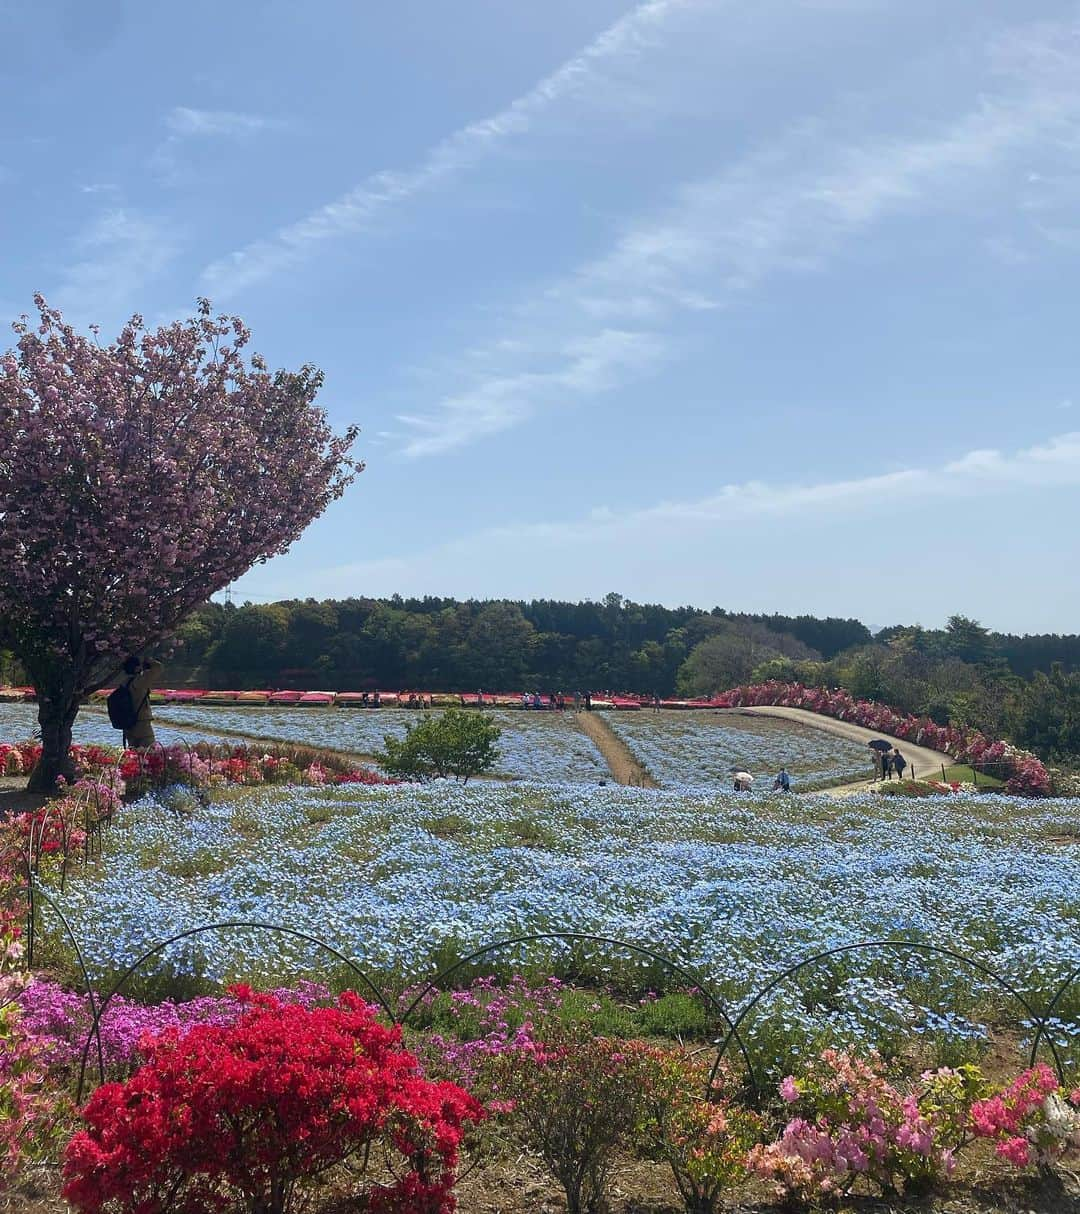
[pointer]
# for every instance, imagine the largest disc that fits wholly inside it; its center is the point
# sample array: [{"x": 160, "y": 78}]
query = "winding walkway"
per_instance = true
[{"x": 925, "y": 763}]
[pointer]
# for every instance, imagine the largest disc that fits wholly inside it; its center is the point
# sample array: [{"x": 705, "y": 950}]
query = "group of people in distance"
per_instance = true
[
  {"x": 743, "y": 780},
  {"x": 888, "y": 763},
  {"x": 536, "y": 700}
]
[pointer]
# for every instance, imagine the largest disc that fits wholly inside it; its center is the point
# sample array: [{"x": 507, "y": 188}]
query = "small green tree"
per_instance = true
[{"x": 456, "y": 743}]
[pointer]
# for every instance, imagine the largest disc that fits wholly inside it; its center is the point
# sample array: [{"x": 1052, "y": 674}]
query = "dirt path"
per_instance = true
[
  {"x": 14, "y": 799},
  {"x": 625, "y": 769},
  {"x": 925, "y": 763}
]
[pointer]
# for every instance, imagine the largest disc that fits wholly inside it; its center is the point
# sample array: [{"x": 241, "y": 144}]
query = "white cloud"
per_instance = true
[
  {"x": 121, "y": 250},
  {"x": 638, "y": 547},
  {"x": 1052, "y": 464},
  {"x": 788, "y": 208},
  {"x": 382, "y": 190},
  {"x": 186, "y": 122},
  {"x": 582, "y": 367}
]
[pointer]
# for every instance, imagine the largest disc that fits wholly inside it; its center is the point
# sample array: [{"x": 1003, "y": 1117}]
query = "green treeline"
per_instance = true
[
  {"x": 443, "y": 644},
  {"x": 1025, "y": 688}
]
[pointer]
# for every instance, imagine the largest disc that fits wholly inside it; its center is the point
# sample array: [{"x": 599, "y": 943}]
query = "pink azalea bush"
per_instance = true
[
  {"x": 1026, "y": 775},
  {"x": 491, "y": 1019},
  {"x": 32, "y": 1107},
  {"x": 854, "y": 1123},
  {"x": 1032, "y": 1120},
  {"x": 107, "y": 774}
]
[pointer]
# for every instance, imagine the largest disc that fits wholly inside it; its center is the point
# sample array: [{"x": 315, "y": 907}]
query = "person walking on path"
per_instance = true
[
  {"x": 141, "y": 678},
  {"x": 898, "y": 764},
  {"x": 782, "y": 783}
]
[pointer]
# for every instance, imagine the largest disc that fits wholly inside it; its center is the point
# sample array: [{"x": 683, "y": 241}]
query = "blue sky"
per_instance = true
[{"x": 767, "y": 303}]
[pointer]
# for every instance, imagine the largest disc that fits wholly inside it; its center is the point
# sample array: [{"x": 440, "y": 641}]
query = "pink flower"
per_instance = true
[{"x": 1016, "y": 1150}]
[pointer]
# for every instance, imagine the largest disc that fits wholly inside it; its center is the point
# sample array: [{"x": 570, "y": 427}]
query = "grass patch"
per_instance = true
[
  {"x": 445, "y": 826},
  {"x": 527, "y": 832},
  {"x": 961, "y": 773}
]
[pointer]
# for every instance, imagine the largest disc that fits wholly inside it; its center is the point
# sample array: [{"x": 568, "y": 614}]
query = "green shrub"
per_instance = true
[
  {"x": 457, "y": 744},
  {"x": 704, "y": 1139},
  {"x": 576, "y": 1105}
]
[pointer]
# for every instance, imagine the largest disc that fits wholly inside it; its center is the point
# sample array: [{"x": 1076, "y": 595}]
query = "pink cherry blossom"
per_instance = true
[{"x": 136, "y": 479}]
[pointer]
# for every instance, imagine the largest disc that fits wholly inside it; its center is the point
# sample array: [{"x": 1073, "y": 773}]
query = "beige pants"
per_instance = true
[{"x": 141, "y": 737}]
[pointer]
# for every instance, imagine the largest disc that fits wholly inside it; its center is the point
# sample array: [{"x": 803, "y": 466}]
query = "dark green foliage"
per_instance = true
[
  {"x": 1044, "y": 715},
  {"x": 455, "y": 743},
  {"x": 962, "y": 673},
  {"x": 445, "y": 645},
  {"x": 732, "y": 654}
]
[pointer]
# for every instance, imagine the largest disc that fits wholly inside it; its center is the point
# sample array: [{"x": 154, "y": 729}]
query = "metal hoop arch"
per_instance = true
[
  {"x": 95, "y": 1022},
  {"x": 908, "y": 945},
  {"x": 1042, "y": 1030},
  {"x": 161, "y": 945},
  {"x": 689, "y": 976}
]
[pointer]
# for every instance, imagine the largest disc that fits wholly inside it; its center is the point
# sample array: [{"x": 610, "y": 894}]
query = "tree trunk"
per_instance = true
[{"x": 56, "y": 715}]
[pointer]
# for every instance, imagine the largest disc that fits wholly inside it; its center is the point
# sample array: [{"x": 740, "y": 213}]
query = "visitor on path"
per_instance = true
[
  {"x": 480, "y": 699},
  {"x": 656, "y": 703},
  {"x": 141, "y": 676},
  {"x": 880, "y": 749},
  {"x": 588, "y": 701},
  {"x": 782, "y": 783},
  {"x": 376, "y": 700},
  {"x": 898, "y": 764},
  {"x": 886, "y": 764}
]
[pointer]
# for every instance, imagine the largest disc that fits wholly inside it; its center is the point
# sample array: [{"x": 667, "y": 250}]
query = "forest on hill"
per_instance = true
[{"x": 1026, "y": 688}]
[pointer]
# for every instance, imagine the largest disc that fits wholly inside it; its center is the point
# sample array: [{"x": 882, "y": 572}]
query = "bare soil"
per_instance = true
[
  {"x": 624, "y": 768},
  {"x": 521, "y": 1186}
]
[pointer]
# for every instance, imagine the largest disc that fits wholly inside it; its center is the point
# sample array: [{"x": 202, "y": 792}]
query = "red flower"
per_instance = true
[{"x": 261, "y": 1113}]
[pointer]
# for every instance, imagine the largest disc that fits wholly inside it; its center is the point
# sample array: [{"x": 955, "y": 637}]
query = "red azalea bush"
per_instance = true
[
  {"x": 1025, "y": 774},
  {"x": 264, "y": 1113}
]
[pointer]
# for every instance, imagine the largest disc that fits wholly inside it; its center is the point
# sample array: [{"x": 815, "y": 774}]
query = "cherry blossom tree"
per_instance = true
[{"x": 136, "y": 479}]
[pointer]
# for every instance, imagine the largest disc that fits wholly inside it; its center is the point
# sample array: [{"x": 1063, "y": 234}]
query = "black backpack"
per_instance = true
[{"x": 123, "y": 714}]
